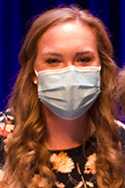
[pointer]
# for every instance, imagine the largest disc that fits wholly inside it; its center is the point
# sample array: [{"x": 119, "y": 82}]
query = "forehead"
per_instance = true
[
  {"x": 69, "y": 30},
  {"x": 67, "y": 40}
]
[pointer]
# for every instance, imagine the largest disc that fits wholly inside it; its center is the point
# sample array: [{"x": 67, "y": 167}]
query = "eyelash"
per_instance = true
[
  {"x": 55, "y": 61},
  {"x": 52, "y": 61},
  {"x": 84, "y": 59}
]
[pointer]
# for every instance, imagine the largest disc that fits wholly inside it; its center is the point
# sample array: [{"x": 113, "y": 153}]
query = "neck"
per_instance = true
[{"x": 65, "y": 134}]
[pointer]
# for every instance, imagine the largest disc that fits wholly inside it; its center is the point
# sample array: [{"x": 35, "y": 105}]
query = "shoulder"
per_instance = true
[
  {"x": 121, "y": 129},
  {"x": 6, "y": 127},
  {"x": 6, "y": 122}
]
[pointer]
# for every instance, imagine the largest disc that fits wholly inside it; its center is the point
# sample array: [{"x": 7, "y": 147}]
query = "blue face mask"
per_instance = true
[{"x": 69, "y": 92}]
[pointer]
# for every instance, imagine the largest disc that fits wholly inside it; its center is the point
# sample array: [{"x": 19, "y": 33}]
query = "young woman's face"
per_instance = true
[{"x": 71, "y": 43}]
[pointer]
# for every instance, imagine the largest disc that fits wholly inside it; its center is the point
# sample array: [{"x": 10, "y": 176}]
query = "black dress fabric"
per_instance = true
[{"x": 75, "y": 168}]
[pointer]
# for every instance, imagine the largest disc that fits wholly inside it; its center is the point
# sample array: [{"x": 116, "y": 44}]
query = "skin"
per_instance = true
[{"x": 70, "y": 43}]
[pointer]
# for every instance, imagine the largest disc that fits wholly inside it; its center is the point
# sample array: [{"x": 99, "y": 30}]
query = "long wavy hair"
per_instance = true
[{"x": 26, "y": 152}]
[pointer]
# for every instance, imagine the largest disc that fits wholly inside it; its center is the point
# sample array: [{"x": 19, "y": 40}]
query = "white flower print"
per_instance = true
[
  {"x": 90, "y": 166},
  {"x": 80, "y": 184},
  {"x": 10, "y": 117},
  {"x": 40, "y": 181},
  {"x": 2, "y": 126},
  {"x": 59, "y": 184},
  {"x": 1, "y": 174},
  {"x": 1, "y": 118},
  {"x": 62, "y": 163},
  {"x": 89, "y": 184},
  {"x": 10, "y": 127}
]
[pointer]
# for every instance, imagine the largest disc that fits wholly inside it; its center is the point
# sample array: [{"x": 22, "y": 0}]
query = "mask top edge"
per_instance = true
[{"x": 67, "y": 69}]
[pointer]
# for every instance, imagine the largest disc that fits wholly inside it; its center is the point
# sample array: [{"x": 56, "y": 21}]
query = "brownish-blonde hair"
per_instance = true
[{"x": 26, "y": 151}]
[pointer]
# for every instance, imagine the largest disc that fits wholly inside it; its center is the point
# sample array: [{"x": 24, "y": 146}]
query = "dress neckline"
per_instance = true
[{"x": 71, "y": 150}]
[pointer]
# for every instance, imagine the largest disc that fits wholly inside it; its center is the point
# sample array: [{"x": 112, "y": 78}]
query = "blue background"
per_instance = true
[{"x": 14, "y": 24}]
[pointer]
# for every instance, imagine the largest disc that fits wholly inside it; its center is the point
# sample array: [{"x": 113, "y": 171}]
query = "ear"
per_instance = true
[{"x": 35, "y": 80}]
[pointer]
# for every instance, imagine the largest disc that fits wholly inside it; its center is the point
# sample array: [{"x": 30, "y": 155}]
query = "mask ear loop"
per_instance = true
[
  {"x": 36, "y": 74},
  {"x": 100, "y": 68}
]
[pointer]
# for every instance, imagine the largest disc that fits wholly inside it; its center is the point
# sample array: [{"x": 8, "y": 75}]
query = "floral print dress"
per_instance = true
[{"x": 74, "y": 168}]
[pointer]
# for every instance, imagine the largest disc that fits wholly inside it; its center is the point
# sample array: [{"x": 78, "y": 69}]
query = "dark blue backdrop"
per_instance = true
[{"x": 14, "y": 14}]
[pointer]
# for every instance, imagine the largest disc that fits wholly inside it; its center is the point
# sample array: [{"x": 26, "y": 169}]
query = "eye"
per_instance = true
[
  {"x": 84, "y": 59},
  {"x": 52, "y": 61}
]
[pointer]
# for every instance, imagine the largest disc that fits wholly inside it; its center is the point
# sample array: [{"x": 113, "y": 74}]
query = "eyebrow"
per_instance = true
[
  {"x": 76, "y": 55},
  {"x": 84, "y": 53},
  {"x": 52, "y": 53}
]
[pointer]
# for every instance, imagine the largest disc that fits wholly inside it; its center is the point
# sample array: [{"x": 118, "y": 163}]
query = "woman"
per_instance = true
[{"x": 67, "y": 127}]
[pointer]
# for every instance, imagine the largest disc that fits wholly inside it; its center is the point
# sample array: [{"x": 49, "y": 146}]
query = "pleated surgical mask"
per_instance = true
[{"x": 69, "y": 92}]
